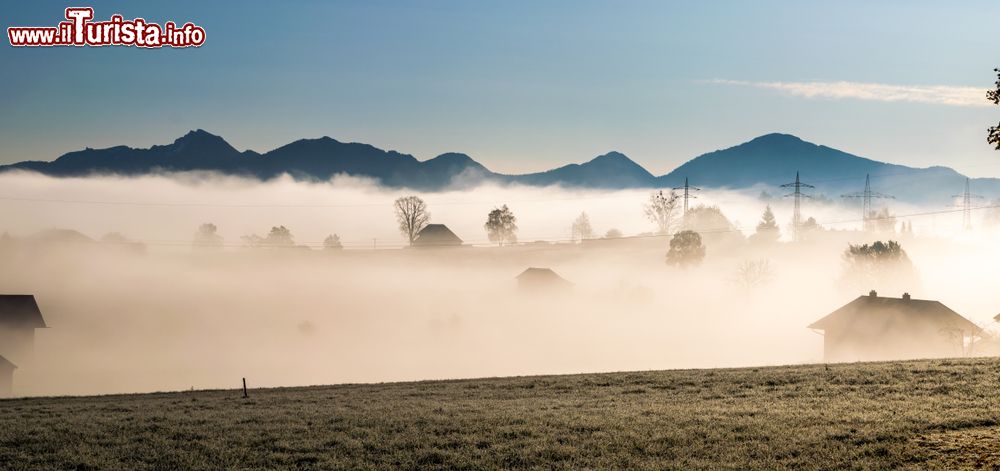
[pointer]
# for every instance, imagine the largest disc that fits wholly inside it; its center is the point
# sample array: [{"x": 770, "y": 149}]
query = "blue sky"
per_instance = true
[{"x": 522, "y": 86}]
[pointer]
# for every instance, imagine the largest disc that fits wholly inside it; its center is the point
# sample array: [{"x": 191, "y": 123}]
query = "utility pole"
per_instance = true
[
  {"x": 867, "y": 214},
  {"x": 967, "y": 198},
  {"x": 797, "y": 187},
  {"x": 687, "y": 193}
]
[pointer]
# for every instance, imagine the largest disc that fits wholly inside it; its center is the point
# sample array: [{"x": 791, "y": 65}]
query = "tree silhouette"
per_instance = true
[
  {"x": 661, "y": 209},
  {"x": 279, "y": 236},
  {"x": 332, "y": 242},
  {"x": 581, "y": 228},
  {"x": 501, "y": 226},
  {"x": 613, "y": 233},
  {"x": 685, "y": 249},
  {"x": 207, "y": 237},
  {"x": 767, "y": 229},
  {"x": 993, "y": 134},
  {"x": 877, "y": 265},
  {"x": 412, "y": 216}
]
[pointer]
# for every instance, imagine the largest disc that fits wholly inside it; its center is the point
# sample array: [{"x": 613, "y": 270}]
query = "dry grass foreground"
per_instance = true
[{"x": 923, "y": 414}]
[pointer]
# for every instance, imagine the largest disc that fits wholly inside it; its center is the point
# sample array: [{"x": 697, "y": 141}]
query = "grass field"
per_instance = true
[{"x": 939, "y": 414}]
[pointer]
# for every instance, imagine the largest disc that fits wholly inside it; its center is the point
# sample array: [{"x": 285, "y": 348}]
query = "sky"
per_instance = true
[{"x": 522, "y": 85}]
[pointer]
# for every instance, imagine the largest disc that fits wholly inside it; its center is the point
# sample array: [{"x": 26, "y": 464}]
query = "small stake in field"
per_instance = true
[{"x": 245, "y": 388}]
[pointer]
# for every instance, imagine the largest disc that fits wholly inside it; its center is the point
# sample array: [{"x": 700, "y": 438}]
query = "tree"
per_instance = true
[
  {"x": 993, "y": 133},
  {"x": 767, "y": 229},
  {"x": 207, "y": 237},
  {"x": 581, "y": 228},
  {"x": 883, "y": 220},
  {"x": 501, "y": 226},
  {"x": 412, "y": 216},
  {"x": 613, "y": 234},
  {"x": 332, "y": 242},
  {"x": 879, "y": 265},
  {"x": 660, "y": 210},
  {"x": 279, "y": 236},
  {"x": 685, "y": 249},
  {"x": 753, "y": 273}
]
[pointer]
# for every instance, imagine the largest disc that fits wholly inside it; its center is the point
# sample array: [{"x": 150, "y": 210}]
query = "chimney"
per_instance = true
[
  {"x": 872, "y": 294},
  {"x": 906, "y": 296}
]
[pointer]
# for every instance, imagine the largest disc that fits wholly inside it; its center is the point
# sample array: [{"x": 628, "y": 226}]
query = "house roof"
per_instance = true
[
  {"x": 6, "y": 363},
  {"x": 891, "y": 309},
  {"x": 20, "y": 310},
  {"x": 541, "y": 275},
  {"x": 436, "y": 234},
  {"x": 533, "y": 272}
]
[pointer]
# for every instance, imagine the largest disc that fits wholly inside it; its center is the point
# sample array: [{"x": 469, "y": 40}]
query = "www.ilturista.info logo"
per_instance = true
[{"x": 80, "y": 31}]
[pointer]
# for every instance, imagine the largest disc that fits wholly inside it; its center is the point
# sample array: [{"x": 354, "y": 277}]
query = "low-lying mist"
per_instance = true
[{"x": 167, "y": 316}]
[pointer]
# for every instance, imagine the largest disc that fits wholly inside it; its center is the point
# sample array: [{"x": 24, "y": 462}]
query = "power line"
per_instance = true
[
  {"x": 687, "y": 193},
  {"x": 967, "y": 198},
  {"x": 866, "y": 205},
  {"x": 797, "y": 185}
]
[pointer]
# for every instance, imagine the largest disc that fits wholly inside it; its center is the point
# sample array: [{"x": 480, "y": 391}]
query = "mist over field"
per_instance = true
[{"x": 164, "y": 316}]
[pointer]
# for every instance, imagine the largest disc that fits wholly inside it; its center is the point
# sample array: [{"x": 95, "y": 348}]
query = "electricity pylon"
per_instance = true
[
  {"x": 797, "y": 187},
  {"x": 967, "y": 198},
  {"x": 687, "y": 193},
  {"x": 867, "y": 214}
]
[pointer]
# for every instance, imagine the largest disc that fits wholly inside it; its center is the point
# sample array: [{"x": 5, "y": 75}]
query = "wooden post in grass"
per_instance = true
[{"x": 245, "y": 388}]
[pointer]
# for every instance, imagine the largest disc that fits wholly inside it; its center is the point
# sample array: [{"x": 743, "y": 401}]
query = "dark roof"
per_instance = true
[
  {"x": 902, "y": 309},
  {"x": 541, "y": 275},
  {"x": 436, "y": 234},
  {"x": 6, "y": 363},
  {"x": 20, "y": 310}
]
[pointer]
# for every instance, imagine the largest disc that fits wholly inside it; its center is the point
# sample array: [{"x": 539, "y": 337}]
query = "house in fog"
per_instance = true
[
  {"x": 19, "y": 317},
  {"x": 541, "y": 279},
  {"x": 436, "y": 235},
  {"x": 879, "y": 328},
  {"x": 6, "y": 377}
]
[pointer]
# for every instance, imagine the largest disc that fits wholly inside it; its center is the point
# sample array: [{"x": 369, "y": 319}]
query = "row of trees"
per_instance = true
[{"x": 207, "y": 237}]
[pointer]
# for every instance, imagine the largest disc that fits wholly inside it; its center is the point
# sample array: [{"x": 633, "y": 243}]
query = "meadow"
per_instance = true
[{"x": 922, "y": 414}]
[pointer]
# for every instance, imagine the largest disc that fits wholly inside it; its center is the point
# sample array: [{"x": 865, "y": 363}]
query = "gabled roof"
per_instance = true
[
  {"x": 539, "y": 273},
  {"x": 436, "y": 234},
  {"x": 890, "y": 309},
  {"x": 20, "y": 310},
  {"x": 6, "y": 363}
]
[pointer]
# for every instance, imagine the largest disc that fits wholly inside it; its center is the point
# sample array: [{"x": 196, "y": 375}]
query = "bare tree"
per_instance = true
[
  {"x": 752, "y": 273},
  {"x": 581, "y": 228},
  {"x": 412, "y": 215},
  {"x": 993, "y": 134},
  {"x": 501, "y": 226},
  {"x": 661, "y": 209}
]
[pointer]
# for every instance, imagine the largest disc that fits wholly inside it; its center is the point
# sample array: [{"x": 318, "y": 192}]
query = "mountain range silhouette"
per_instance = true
[{"x": 766, "y": 162}]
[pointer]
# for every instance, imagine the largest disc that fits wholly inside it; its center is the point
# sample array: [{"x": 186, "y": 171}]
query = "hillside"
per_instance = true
[
  {"x": 943, "y": 414},
  {"x": 766, "y": 161}
]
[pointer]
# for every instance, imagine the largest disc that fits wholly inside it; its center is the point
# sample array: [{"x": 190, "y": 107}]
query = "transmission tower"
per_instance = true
[
  {"x": 967, "y": 198},
  {"x": 867, "y": 214},
  {"x": 687, "y": 193},
  {"x": 797, "y": 187}
]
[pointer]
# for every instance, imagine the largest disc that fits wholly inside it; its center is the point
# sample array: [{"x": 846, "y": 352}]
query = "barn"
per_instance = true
[
  {"x": 873, "y": 327},
  {"x": 436, "y": 235},
  {"x": 19, "y": 317}
]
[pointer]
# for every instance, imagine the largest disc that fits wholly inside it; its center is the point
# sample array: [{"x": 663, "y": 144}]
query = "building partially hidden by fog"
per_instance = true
[
  {"x": 19, "y": 317},
  {"x": 436, "y": 235},
  {"x": 879, "y": 328},
  {"x": 6, "y": 377},
  {"x": 541, "y": 280}
]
